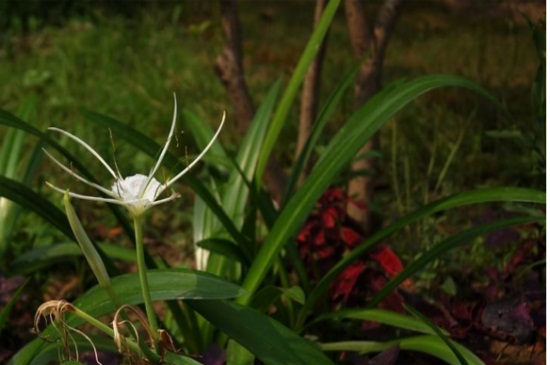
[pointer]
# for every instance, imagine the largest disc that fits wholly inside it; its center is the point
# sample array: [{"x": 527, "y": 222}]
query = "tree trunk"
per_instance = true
[
  {"x": 310, "y": 93},
  {"x": 368, "y": 40},
  {"x": 229, "y": 67}
]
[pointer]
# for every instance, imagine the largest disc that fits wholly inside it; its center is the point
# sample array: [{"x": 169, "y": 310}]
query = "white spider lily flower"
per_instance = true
[{"x": 138, "y": 192}]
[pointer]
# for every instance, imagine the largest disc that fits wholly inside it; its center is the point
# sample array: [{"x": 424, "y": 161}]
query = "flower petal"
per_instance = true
[
  {"x": 85, "y": 197},
  {"x": 78, "y": 177},
  {"x": 166, "y": 145},
  {"x": 87, "y": 146},
  {"x": 175, "y": 178}
]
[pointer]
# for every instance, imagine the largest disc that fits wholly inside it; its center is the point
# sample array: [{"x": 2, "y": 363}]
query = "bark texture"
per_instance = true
[
  {"x": 310, "y": 92},
  {"x": 229, "y": 67},
  {"x": 371, "y": 40}
]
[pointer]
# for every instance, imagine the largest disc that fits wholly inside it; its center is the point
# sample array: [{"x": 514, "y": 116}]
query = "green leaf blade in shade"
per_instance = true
[
  {"x": 428, "y": 344},
  {"x": 49, "y": 353},
  {"x": 269, "y": 340},
  {"x": 382, "y": 316},
  {"x": 27, "y": 198},
  {"x": 236, "y": 194},
  {"x": 317, "y": 131},
  {"x": 438, "y": 333},
  {"x": 5, "y": 312},
  {"x": 225, "y": 248},
  {"x": 165, "y": 284},
  {"x": 289, "y": 95},
  {"x": 435, "y": 346},
  {"x": 44, "y": 256},
  {"x": 337, "y": 156}
]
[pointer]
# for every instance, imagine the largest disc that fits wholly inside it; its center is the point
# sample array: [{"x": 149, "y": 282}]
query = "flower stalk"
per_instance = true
[{"x": 142, "y": 269}]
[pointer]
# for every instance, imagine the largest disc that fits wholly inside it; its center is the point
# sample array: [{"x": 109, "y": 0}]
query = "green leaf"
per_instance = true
[
  {"x": 175, "y": 359},
  {"x": 429, "y": 344},
  {"x": 27, "y": 198},
  {"x": 238, "y": 355},
  {"x": 295, "y": 293},
  {"x": 381, "y": 316},
  {"x": 343, "y": 147},
  {"x": 202, "y": 133},
  {"x": 505, "y": 134},
  {"x": 288, "y": 98},
  {"x": 44, "y": 256},
  {"x": 165, "y": 284},
  {"x": 235, "y": 195},
  {"x": 269, "y": 340},
  {"x": 10, "y": 152},
  {"x": 5, "y": 312},
  {"x": 88, "y": 248},
  {"x": 317, "y": 130},
  {"x": 225, "y": 248},
  {"x": 267, "y": 295},
  {"x": 50, "y": 351},
  {"x": 439, "y": 333}
]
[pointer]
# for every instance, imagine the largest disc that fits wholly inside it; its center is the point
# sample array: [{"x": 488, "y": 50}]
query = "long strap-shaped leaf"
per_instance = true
[
  {"x": 429, "y": 344},
  {"x": 317, "y": 130},
  {"x": 298, "y": 75},
  {"x": 168, "y": 284},
  {"x": 265, "y": 337},
  {"x": 343, "y": 147},
  {"x": 236, "y": 193},
  {"x": 27, "y": 198}
]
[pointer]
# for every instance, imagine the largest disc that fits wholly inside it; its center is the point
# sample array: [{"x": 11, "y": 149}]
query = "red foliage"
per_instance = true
[
  {"x": 388, "y": 260},
  {"x": 328, "y": 234},
  {"x": 345, "y": 284}
]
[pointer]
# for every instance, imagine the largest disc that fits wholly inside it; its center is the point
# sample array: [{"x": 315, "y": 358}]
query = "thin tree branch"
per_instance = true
[
  {"x": 310, "y": 91},
  {"x": 229, "y": 67}
]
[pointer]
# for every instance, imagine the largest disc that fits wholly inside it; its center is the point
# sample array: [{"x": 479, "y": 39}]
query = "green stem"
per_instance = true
[{"x": 138, "y": 228}]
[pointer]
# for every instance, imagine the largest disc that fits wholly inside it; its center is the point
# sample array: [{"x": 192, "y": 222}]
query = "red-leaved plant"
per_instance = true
[{"x": 326, "y": 237}]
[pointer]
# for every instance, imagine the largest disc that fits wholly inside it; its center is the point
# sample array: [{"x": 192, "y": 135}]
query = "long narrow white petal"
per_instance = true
[
  {"x": 171, "y": 197},
  {"x": 86, "y": 197},
  {"x": 78, "y": 177},
  {"x": 87, "y": 146},
  {"x": 166, "y": 145},
  {"x": 175, "y": 178}
]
